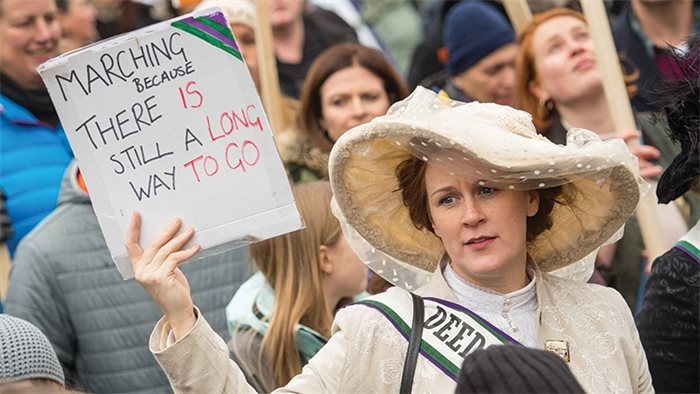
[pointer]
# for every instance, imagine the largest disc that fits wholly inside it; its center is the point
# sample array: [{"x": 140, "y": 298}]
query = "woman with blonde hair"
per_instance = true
[
  {"x": 282, "y": 315},
  {"x": 559, "y": 84}
]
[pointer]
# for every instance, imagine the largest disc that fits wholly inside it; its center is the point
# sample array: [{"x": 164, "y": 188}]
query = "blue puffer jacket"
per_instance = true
[
  {"x": 33, "y": 157},
  {"x": 64, "y": 281}
]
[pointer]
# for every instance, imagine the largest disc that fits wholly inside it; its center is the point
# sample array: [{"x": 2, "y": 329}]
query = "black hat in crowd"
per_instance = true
[
  {"x": 474, "y": 30},
  {"x": 516, "y": 369},
  {"x": 679, "y": 97}
]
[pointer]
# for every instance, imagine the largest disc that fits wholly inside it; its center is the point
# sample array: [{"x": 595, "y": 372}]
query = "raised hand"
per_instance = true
[
  {"x": 156, "y": 270},
  {"x": 645, "y": 154}
]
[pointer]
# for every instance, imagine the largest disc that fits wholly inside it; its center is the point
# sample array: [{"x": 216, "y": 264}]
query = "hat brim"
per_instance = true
[{"x": 600, "y": 191}]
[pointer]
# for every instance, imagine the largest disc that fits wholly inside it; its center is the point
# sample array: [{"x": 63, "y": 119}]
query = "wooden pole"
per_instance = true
[
  {"x": 618, "y": 102},
  {"x": 519, "y": 13},
  {"x": 270, "y": 92},
  {"x": 5, "y": 264}
]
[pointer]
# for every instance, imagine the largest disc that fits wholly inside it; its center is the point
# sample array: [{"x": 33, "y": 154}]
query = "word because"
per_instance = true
[{"x": 165, "y": 76}]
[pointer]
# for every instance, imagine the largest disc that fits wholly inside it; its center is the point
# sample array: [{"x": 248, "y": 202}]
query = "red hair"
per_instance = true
[{"x": 526, "y": 72}]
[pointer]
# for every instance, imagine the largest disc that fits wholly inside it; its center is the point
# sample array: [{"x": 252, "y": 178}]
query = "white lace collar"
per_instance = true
[{"x": 479, "y": 299}]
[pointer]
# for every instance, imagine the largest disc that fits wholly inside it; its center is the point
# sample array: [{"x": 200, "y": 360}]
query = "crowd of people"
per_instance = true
[{"x": 500, "y": 175}]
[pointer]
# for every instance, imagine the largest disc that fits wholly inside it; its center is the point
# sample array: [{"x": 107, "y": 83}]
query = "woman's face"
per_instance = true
[
  {"x": 29, "y": 34},
  {"x": 350, "y": 97},
  {"x": 492, "y": 79},
  {"x": 79, "y": 22},
  {"x": 483, "y": 229},
  {"x": 285, "y": 12},
  {"x": 245, "y": 37},
  {"x": 565, "y": 61},
  {"x": 349, "y": 275}
]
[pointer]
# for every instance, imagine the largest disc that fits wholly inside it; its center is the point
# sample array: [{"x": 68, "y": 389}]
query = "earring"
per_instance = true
[
  {"x": 547, "y": 104},
  {"x": 327, "y": 136}
]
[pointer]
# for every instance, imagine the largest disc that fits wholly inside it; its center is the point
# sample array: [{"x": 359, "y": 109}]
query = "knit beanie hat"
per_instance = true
[
  {"x": 472, "y": 31},
  {"x": 515, "y": 369},
  {"x": 26, "y": 353},
  {"x": 235, "y": 11}
]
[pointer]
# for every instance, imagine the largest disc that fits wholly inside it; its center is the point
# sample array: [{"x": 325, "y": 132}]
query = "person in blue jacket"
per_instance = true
[{"x": 34, "y": 151}]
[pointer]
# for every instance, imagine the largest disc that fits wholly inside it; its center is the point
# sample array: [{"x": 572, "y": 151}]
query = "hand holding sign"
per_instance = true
[{"x": 156, "y": 269}]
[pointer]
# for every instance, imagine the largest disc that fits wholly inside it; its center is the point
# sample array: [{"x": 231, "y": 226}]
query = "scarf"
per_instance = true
[{"x": 38, "y": 102}]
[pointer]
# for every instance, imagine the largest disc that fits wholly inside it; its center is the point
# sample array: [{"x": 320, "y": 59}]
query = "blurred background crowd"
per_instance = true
[{"x": 339, "y": 64}]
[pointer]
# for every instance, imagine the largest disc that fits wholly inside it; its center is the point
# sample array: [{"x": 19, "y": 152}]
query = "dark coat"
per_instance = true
[{"x": 669, "y": 323}]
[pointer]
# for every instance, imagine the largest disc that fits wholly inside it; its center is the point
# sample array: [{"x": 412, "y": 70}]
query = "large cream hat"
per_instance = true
[{"x": 496, "y": 144}]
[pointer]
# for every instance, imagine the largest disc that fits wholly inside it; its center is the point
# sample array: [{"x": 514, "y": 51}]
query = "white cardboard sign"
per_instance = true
[{"x": 166, "y": 120}]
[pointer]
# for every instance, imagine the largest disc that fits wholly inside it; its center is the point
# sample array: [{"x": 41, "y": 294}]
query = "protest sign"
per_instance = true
[{"x": 166, "y": 120}]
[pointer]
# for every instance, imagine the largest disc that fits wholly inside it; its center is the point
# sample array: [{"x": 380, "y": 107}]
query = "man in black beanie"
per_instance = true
[
  {"x": 515, "y": 369},
  {"x": 481, "y": 52}
]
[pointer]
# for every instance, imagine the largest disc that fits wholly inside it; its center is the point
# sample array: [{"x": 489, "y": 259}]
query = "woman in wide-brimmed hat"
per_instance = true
[{"x": 471, "y": 193}]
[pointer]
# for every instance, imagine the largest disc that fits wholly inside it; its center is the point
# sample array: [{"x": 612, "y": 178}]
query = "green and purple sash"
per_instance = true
[
  {"x": 450, "y": 331},
  {"x": 690, "y": 243},
  {"x": 689, "y": 249}
]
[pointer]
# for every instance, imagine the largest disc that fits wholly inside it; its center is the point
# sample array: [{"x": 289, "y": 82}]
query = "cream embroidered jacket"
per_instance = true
[{"x": 366, "y": 353}]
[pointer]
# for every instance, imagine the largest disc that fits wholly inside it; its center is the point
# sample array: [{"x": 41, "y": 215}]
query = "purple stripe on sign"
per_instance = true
[
  {"x": 226, "y": 40},
  {"x": 218, "y": 17}
]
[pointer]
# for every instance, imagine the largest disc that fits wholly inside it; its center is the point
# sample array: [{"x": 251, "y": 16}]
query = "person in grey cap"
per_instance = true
[{"x": 28, "y": 363}]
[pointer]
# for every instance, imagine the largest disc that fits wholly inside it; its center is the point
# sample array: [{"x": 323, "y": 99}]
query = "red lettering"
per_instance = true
[
  {"x": 182, "y": 97},
  {"x": 211, "y": 134},
  {"x": 228, "y": 157},
  {"x": 210, "y": 165},
  {"x": 249, "y": 143},
  {"x": 191, "y": 164},
  {"x": 191, "y": 92},
  {"x": 210, "y": 159},
  {"x": 243, "y": 158},
  {"x": 226, "y": 129},
  {"x": 255, "y": 122}
]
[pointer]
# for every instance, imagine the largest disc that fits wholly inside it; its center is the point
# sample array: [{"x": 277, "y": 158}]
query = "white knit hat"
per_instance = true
[
  {"x": 235, "y": 11},
  {"x": 26, "y": 353}
]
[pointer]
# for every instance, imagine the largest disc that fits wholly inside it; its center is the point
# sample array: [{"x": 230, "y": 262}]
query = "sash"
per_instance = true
[
  {"x": 690, "y": 243},
  {"x": 450, "y": 331}
]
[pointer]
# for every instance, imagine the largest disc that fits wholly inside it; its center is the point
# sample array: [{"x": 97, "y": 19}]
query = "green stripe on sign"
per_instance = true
[
  {"x": 215, "y": 25},
  {"x": 206, "y": 37}
]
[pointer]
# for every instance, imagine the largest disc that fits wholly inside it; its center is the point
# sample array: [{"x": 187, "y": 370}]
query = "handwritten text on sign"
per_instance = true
[
  {"x": 102, "y": 131},
  {"x": 166, "y": 120}
]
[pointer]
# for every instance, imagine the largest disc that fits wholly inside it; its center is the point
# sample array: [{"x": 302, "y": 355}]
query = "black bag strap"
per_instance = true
[{"x": 409, "y": 366}]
